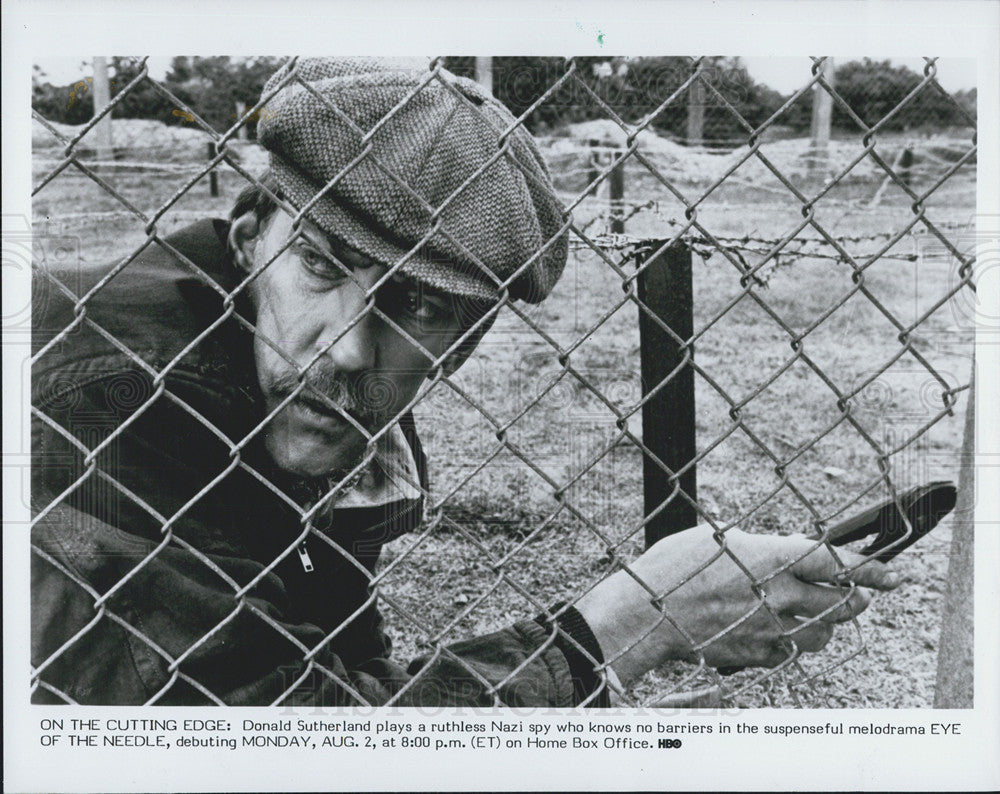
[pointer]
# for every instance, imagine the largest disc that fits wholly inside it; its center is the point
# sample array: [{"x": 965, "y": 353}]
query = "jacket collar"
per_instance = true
[{"x": 390, "y": 476}]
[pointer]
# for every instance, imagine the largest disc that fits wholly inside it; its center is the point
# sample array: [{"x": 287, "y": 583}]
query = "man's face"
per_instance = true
[{"x": 305, "y": 301}]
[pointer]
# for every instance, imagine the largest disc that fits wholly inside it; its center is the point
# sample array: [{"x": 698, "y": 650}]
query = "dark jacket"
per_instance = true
[{"x": 164, "y": 549}]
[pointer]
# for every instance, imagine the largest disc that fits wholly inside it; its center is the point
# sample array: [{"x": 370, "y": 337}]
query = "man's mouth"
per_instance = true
[
  {"x": 318, "y": 406},
  {"x": 327, "y": 410}
]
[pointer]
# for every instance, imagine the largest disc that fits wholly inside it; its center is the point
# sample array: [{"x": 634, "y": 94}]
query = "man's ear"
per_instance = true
[{"x": 243, "y": 233}]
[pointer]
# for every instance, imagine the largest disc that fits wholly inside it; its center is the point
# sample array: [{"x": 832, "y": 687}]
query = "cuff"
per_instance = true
[{"x": 575, "y": 635}]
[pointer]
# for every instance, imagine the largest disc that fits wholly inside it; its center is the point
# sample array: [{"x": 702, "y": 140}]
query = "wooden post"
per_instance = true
[
  {"x": 696, "y": 113},
  {"x": 616, "y": 189},
  {"x": 953, "y": 688},
  {"x": 594, "y": 161},
  {"x": 213, "y": 177},
  {"x": 905, "y": 163},
  {"x": 886, "y": 180},
  {"x": 103, "y": 141},
  {"x": 484, "y": 72},
  {"x": 822, "y": 117},
  {"x": 241, "y": 108},
  {"x": 668, "y": 419}
]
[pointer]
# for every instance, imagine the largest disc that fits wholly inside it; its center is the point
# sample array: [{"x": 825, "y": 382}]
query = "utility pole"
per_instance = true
[{"x": 102, "y": 96}]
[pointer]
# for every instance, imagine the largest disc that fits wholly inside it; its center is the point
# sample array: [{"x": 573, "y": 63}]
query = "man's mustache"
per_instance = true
[{"x": 368, "y": 399}]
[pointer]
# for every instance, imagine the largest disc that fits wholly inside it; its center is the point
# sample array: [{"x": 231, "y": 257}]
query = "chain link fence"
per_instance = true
[{"x": 830, "y": 351}]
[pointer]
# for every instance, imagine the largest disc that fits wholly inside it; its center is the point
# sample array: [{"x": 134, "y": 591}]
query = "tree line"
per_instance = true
[{"x": 585, "y": 88}]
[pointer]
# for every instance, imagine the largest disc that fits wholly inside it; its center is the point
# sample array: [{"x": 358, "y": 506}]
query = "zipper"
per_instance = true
[
  {"x": 304, "y": 558},
  {"x": 317, "y": 493},
  {"x": 308, "y": 502}
]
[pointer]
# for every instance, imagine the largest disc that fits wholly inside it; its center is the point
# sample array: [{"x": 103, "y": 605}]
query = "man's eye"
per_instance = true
[
  {"x": 424, "y": 307},
  {"x": 319, "y": 263}
]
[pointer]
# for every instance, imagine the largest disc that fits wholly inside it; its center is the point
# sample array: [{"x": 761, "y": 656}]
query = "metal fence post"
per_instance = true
[
  {"x": 213, "y": 177},
  {"x": 616, "y": 187},
  {"x": 668, "y": 419}
]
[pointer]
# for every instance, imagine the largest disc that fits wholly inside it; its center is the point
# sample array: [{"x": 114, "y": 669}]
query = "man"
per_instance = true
[{"x": 222, "y": 436}]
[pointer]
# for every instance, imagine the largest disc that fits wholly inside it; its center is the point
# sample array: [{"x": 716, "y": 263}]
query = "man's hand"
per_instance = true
[{"x": 635, "y": 637}]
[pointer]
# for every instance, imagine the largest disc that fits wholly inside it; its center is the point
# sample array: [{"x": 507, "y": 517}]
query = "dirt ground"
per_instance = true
[{"x": 500, "y": 544}]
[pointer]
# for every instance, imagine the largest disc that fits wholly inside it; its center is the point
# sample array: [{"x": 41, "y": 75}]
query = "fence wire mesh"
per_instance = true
[{"x": 830, "y": 349}]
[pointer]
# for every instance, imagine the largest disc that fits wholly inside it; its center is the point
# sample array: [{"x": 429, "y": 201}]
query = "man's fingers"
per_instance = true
[
  {"x": 871, "y": 573},
  {"x": 820, "y": 566},
  {"x": 839, "y": 604},
  {"x": 855, "y": 603},
  {"x": 809, "y": 637}
]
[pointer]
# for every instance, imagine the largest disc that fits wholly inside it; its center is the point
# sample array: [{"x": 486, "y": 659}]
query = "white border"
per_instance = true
[{"x": 35, "y": 29}]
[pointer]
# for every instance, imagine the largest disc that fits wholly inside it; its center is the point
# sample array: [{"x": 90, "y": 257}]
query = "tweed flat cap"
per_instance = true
[{"x": 434, "y": 142}]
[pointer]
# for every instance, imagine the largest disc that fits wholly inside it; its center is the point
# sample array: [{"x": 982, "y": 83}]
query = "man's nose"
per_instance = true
[{"x": 354, "y": 327}]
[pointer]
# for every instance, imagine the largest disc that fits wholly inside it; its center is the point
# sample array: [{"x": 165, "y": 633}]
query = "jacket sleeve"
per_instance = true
[{"x": 118, "y": 619}]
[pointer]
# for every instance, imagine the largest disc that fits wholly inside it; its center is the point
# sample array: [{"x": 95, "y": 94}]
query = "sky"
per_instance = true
[{"x": 782, "y": 73}]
